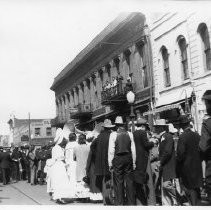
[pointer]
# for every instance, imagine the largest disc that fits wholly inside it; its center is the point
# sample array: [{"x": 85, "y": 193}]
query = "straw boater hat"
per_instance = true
[
  {"x": 59, "y": 136},
  {"x": 160, "y": 122},
  {"x": 207, "y": 95},
  {"x": 119, "y": 120},
  {"x": 172, "y": 129},
  {"x": 107, "y": 124}
]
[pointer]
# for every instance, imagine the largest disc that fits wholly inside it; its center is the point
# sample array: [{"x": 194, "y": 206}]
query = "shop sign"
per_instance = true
[{"x": 161, "y": 109}]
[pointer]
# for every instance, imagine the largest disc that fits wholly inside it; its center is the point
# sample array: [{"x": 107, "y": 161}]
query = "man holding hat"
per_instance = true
[
  {"x": 101, "y": 160},
  {"x": 205, "y": 141},
  {"x": 189, "y": 165},
  {"x": 167, "y": 163},
  {"x": 143, "y": 145},
  {"x": 122, "y": 157}
]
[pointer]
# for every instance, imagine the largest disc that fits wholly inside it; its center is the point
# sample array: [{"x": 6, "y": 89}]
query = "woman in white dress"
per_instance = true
[{"x": 60, "y": 185}]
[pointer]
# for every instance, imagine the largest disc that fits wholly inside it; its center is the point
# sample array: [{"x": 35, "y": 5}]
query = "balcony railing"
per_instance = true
[
  {"x": 116, "y": 93},
  {"x": 81, "y": 110}
]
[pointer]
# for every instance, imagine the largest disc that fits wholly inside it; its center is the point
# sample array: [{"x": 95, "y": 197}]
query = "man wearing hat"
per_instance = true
[
  {"x": 122, "y": 158},
  {"x": 142, "y": 154},
  {"x": 205, "y": 142},
  {"x": 167, "y": 163},
  {"x": 101, "y": 161},
  {"x": 189, "y": 165}
]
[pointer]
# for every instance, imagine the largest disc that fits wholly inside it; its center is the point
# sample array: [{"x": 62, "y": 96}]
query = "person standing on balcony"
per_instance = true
[
  {"x": 122, "y": 160},
  {"x": 143, "y": 145},
  {"x": 205, "y": 142}
]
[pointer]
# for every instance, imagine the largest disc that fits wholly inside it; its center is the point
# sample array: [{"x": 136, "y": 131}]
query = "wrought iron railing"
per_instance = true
[{"x": 117, "y": 91}]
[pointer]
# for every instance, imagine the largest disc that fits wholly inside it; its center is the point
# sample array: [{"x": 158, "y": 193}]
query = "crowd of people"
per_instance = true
[
  {"x": 24, "y": 163},
  {"x": 119, "y": 165}
]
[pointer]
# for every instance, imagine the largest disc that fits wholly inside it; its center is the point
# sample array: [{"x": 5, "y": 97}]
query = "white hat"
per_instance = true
[
  {"x": 172, "y": 129},
  {"x": 107, "y": 124},
  {"x": 160, "y": 122},
  {"x": 119, "y": 120},
  {"x": 59, "y": 136}
]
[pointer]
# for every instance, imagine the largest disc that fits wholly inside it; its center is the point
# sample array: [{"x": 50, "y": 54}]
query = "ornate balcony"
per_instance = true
[
  {"x": 117, "y": 93},
  {"x": 81, "y": 111}
]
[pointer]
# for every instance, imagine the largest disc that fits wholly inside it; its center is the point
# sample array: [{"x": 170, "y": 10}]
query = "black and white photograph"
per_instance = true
[{"x": 105, "y": 103}]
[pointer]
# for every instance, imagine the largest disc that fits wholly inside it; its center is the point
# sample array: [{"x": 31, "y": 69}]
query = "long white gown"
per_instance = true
[
  {"x": 71, "y": 164},
  {"x": 60, "y": 184}
]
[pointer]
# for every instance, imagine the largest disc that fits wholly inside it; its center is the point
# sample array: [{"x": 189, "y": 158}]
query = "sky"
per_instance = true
[{"x": 38, "y": 38}]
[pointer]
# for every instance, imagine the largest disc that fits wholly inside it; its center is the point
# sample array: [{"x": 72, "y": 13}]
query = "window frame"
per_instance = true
[
  {"x": 47, "y": 131},
  {"x": 166, "y": 69}
]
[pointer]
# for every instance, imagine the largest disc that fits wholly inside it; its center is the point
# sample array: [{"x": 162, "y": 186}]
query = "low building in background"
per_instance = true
[{"x": 40, "y": 130}]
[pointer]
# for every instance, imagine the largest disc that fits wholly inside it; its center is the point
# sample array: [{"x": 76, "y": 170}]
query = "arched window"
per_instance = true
[
  {"x": 165, "y": 57},
  {"x": 204, "y": 34},
  {"x": 184, "y": 56}
]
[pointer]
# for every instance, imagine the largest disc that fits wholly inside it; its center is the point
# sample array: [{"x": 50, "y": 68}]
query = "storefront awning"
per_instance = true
[{"x": 173, "y": 96}]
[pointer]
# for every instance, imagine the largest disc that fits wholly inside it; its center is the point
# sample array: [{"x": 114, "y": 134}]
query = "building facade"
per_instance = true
[
  {"x": 181, "y": 64},
  {"x": 41, "y": 131},
  {"x": 94, "y": 85}
]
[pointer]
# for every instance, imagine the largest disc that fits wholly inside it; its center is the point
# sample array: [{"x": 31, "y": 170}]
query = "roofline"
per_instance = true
[{"x": 120, "y": 21}]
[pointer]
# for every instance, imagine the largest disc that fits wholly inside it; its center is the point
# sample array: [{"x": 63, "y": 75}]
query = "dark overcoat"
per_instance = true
[
  {"x": 101, "y": 160},
  {"x": 189, "y": 165},
  {"x": 143, "y": 146},
  {"x": 167, "y": 157},
  {"x": 5, "y": 160}
]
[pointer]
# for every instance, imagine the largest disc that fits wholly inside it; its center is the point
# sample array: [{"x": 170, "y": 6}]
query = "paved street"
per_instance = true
[{"x": 22, "y": 193}]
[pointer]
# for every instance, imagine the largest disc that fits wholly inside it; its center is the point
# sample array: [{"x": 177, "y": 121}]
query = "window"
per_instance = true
[
  {"x": 116, "y": 63},
  {"x": 143, "y": 67},
  {"x": 127, "y": 54},
  {"x": 48, "y": 131},
  {"x": 203, "y": 31},
  {"x": 165, "y": 57},
  {"x": 37, "y": 132},
  {"x": 184, "y": 58}
]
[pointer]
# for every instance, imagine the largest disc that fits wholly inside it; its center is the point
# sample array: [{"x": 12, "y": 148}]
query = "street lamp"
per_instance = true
[{"x": 131, "y": 99}]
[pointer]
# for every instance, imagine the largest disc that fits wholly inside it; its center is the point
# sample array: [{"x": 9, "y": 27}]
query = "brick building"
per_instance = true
[
  {"x": 181, "y": 63},
  {"x": 93, "y": 86}
]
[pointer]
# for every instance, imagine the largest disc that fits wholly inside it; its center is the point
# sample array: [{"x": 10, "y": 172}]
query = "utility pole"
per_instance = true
[{"x": 29, "y": 122}]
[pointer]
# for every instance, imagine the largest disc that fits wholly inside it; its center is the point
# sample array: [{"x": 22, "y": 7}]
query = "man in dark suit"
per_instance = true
[
  {"x": 142, "y": 155},
  {"x": 5, "y": 166},
  {"x": 101, "y": 161},
  {"x": 205, "y": 142},
  {"x": 167, "y": 164},
  {"x": 189, "y": 161}
]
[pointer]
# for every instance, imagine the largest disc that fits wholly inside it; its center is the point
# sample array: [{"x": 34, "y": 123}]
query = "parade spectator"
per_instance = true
[
  {"x": 167, "y": 164},
  {"x": 101, "y": 161},
  {"x": 33, "y": 162},
  {"x": 205, "y": 142},
  {"x": 80, "y": 155},
  {"x": 122, "y": 158},
  {"x": 5, "y": 164},
  {"x": 61, "y": 187},
  {"x": 143, "y": 146},
  {"x": 94, "y": 183},
  {"x": 15, "y": 164},
  {"x": 189, "y": 161}
]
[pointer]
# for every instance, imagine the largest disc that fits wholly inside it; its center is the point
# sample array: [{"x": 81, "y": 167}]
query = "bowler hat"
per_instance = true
[
  {"x": 183, "y": 119},
  {"x": 207, "y": 95}
]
